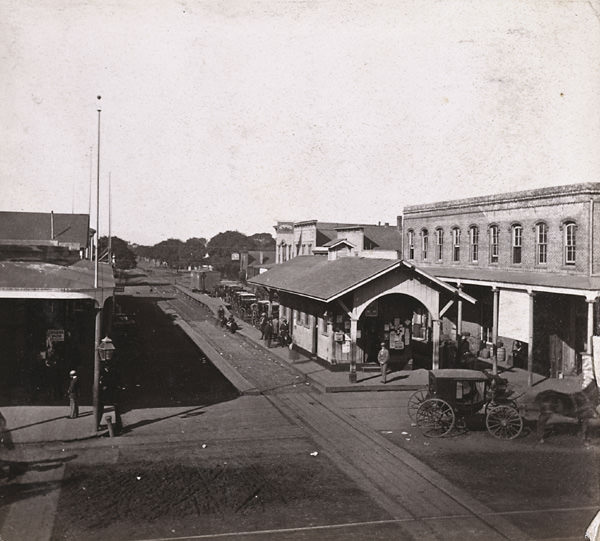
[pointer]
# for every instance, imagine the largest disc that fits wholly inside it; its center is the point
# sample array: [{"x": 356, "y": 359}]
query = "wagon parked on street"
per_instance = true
[{"x": 453, "y": 395}]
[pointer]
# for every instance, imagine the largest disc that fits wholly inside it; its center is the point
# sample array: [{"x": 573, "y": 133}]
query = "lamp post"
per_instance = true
[{"x": 104, "y": 353}]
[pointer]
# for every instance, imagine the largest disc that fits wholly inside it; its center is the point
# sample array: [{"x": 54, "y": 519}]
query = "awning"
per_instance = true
[{"x": 19, "y": 279}]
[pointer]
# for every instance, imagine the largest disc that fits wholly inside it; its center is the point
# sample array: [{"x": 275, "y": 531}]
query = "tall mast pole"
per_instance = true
[
  {"x": 97, "y": 201},
  {"x": 109, "y": 219}
]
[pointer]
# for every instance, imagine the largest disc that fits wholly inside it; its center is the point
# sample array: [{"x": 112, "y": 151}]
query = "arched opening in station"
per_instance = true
[{"x": 403, "y": 323}]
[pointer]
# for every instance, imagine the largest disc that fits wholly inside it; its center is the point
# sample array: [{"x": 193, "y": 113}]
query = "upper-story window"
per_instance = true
[
  {"x": 494, "y": 244},
  {"x": 474, "y": 243},
  {"x": 455, "y": 244},
  {"x": 569, "y": 242},
  {"x": 517, "y": 243},
  {"x": 424, "y": 244},
  {"x": 439, "y": 244},
  {"x": 411, "y": 244},
  {"x": 541, "y": 243}
]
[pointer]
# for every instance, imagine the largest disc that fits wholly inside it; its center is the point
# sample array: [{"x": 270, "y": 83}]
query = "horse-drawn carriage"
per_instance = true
[{"x": 456, "y": 394}]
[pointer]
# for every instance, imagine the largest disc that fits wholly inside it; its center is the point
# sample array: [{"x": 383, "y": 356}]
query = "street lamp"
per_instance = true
[
  {"x": 104, "y": 352},
  {"x": 106, "y": 349}
]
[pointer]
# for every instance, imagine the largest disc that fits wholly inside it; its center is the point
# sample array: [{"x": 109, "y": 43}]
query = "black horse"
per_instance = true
[{"x": 580, "y": 405}]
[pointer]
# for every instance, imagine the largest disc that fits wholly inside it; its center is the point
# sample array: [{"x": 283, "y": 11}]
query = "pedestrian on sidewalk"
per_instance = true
[
  {"x": 276, "y": 330},
  {"x": 268, "y": 332},
  {"x": 73, "y": 393},
  {"x": 383, "y": 357},
  {"x": 284, "y": 332},
  {"x": 220, "y": 316},
  {"x": 263, "y": 325}
]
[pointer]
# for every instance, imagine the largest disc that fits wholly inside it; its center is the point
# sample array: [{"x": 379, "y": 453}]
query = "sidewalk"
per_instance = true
[{"x": 401, "y": 380}]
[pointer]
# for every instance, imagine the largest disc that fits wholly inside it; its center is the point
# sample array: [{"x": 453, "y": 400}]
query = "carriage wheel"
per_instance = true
[
  {"x": 435, "y": 417},
  {"x": 414, "y": 401},
  {"x": 504, "y": 422}
]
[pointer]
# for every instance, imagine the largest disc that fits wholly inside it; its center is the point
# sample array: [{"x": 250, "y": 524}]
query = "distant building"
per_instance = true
[
  {"x": 39, "y": 236},
  {"x": 254, "y": 262},
  {"x": 312, "y": 237}
]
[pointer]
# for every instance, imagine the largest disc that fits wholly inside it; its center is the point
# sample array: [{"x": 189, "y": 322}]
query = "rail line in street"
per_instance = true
[{"x": 422, "y": 503}]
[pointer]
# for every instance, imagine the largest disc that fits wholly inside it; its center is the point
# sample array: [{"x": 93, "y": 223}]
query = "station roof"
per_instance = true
[
  {"x": 24, "y": 279},
  {"x": 323, "y": 280}
]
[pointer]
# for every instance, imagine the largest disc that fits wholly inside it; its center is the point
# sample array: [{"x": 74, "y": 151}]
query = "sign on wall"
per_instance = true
[{"x": 513, "y": 315}]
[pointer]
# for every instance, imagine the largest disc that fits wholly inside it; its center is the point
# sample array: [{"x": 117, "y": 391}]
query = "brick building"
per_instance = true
[{"x": 530, "y": 258}]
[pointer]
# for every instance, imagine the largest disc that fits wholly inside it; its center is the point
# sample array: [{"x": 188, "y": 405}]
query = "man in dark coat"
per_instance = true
[{"x": 73, "y": 393}]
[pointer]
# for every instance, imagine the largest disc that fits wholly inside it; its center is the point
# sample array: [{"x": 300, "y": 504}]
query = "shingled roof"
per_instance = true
[{"x": 323, "y": 280}]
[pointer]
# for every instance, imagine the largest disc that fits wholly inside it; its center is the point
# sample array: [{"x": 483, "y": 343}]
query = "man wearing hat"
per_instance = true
[
  {"x": 74, "y": 394},
  {"x": 383, "y": 357}
]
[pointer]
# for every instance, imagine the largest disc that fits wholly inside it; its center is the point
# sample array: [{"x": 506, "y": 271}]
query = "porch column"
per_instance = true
[
  {"x": 435, "y": 359},
  {"x": 495, "y": 316},
  {"x": 331, "y": 353},
  {"x": 270, "y": 308},
  {"x": 530, "y": 348},
  {"x": 460, "y": 315},
  {"x": 353, "y": 333},
  {"x": 96, "y": 389},
  {"x": 353, "y": 329},
  {"x": 590, "y": 323}
]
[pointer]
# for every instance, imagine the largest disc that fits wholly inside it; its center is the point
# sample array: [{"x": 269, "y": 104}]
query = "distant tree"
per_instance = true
[
  {"x": 221, "y": 247},
  {"x": 193, "y": 252},
  {"x": 170, "y": 252},
  {"x": 263, "y": 241},
  {"x": 122, "y": 252}
]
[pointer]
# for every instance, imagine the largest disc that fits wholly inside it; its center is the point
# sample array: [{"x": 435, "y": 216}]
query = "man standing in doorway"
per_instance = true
[
  {"x": 383, "y": 357},
  {"x": 74, "y": 395}
]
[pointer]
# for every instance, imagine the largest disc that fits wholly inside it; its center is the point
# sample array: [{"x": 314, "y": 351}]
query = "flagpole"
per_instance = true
[{"x": 97, "y": 200}]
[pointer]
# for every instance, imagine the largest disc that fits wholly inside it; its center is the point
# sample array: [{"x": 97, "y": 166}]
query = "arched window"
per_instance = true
[
  {"x": 569, "y": 242},
  {"x": 494, "y": 244},
  {"x": 541, "y": 243},
  {"x": 517, "y": 243},
  {"x": 474, "y": 243},
  {"x": 411, "y": 244},
  {"x": 424, "y": 244},
  {"x": 439, "y": 244},
  {"x": 455, "y": 244}
]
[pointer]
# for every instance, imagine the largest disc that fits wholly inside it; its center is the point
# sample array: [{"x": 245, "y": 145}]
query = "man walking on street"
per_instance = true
[
  {"x": 383, "y": 357},
  {"x": 73, "y": 395}
]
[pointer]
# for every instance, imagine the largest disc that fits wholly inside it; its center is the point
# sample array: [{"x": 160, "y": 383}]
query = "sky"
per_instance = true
[{"x": 232, "y": 115}]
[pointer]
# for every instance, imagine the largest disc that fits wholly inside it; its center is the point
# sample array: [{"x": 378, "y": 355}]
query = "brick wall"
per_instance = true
[{"x": 551, "y": 211}]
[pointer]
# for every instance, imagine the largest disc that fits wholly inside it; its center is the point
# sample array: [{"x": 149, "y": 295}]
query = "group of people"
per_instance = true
[
  {"x": 271, "y": 329},
  {"x": 228, "y": 322}
]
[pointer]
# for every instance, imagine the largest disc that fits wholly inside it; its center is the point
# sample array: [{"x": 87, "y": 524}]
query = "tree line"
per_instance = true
[{"x": 194, "y": 252}]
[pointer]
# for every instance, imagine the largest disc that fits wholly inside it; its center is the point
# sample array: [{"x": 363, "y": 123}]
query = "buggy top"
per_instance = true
[{"x": 460, "y": 374}]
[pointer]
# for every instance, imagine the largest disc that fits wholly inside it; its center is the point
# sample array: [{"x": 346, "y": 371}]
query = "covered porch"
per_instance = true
[
  {"x": 52, "y": 317},
  {"x": 341, "y": 310}
]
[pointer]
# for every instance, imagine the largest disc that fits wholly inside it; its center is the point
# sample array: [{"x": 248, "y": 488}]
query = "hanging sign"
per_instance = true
[{"x": 55, "y": 335}]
